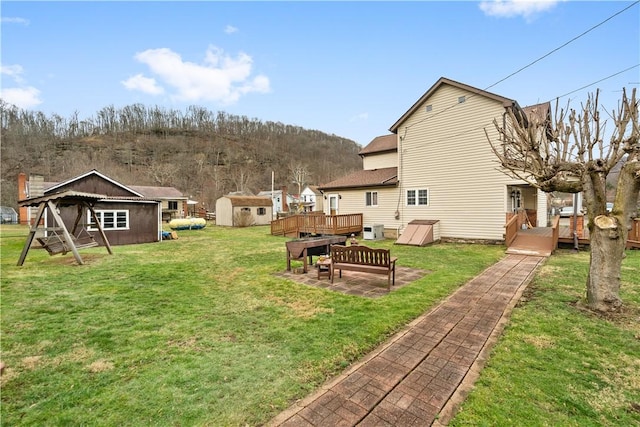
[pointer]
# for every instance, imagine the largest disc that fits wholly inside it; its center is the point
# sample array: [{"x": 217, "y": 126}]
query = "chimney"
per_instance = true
[
  {"x": 35, "y": 188},
  {"x": 285, "y": 205},
  {"x": 23, "y": 193}
]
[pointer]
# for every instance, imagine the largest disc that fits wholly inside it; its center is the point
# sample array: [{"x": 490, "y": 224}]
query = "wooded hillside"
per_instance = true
[{"x": 201, "y": 153}]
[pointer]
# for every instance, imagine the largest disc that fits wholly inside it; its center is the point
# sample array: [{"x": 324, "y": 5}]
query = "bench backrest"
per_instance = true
[{"x": 360, "y": 255}]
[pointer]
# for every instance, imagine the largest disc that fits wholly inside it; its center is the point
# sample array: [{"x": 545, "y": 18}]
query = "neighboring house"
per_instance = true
[
  {"x": 438, "y": 165},
  {"x": 230, "y": 210},
  {"x": 174, "y": 203},
  {"x": 128, "y": 214},
  {"x": 312, "y": 199},
  {"x": 281, "y": 200},
  {"x": 8, "y": 215}
]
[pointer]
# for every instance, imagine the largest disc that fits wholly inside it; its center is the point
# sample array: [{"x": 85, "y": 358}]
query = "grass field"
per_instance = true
[{"x": 201, "y": 331}]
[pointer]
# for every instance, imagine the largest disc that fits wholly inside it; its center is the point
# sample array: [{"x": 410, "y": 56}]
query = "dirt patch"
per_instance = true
[
  {"x": 627, "y": 317},
  {"x": 100, "y": 366}
]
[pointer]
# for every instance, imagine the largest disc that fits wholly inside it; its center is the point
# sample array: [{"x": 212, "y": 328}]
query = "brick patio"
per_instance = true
[{"x": 422, "y": 374}]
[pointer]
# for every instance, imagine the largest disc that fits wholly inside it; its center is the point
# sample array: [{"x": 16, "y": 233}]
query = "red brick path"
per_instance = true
[{"x": 424, "y": 372}]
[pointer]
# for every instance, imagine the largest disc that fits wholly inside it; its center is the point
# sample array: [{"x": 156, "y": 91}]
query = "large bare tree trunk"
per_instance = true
[
  {"x": 608, "y": 236},
  {"x": 607, "y": 251}
]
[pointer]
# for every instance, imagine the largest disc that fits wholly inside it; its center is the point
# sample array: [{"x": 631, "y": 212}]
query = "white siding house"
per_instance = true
[
  {"x": 444, "y": 168},
  {"x": 312, "y": 198}
]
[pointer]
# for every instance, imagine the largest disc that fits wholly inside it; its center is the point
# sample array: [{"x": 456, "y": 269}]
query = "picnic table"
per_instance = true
[{"x": 305, "y": 249}]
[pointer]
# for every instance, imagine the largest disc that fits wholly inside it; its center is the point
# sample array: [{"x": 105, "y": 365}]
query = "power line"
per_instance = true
[
  {"x": 541, "y": 58},
  {"x": 565, "y": 44}
]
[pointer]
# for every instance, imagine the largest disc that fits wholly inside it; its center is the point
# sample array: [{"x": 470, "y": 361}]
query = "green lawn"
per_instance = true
[{"x": 201, "y": 331}]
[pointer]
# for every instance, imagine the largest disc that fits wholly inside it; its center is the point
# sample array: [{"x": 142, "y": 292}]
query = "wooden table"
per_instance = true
[{"x": 305, "y": 249}]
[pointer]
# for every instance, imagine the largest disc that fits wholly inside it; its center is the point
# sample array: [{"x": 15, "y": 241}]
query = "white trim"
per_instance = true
[
  {"x": 417, "y": 197},
  {"x": 100, "y": 214}
]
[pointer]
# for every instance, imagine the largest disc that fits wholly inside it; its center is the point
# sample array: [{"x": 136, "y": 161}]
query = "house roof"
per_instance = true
[
  {"x": 63, "y": 198},
  {"x": 506, "y": 102},
  {"x": 249, "y": 201},
  {"x": 314, "y": 189},
  {"x": 365, "y": 178},
  {"x": 92, "y": 172},
  {"x": 380, "y": 144},
  {"x": 539, "y": 112},
  {"x": 158, "y": 192},
  {"x": 138, "y": 191}
]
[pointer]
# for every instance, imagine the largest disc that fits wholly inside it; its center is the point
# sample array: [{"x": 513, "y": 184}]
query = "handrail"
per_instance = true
[
  {"x": 511, "y": 230},
  {"x": 555, "y": 232}
]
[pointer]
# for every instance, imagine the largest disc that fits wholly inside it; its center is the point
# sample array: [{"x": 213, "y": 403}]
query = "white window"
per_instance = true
[
  {"x": 418, "y": 197},
  {"x": 371, "y": 198},
  {"x": 110, "y": 220}
]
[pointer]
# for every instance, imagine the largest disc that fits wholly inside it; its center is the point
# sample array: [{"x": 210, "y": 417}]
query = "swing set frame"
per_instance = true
[{"x": 58, "y": 239}]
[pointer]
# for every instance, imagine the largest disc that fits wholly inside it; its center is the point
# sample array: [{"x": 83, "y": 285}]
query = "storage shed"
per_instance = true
[{"x": 242, "y": 211}]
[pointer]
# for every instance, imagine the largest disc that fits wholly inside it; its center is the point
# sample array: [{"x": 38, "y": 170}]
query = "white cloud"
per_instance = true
[
  {"x": 143, "y": 84},
  {"x": 21, "y": 97},
  {"x": 230, "y": 29},
  {"x": 511, "y": 8},
  {"x": 219, "y": 78},
  {"x": 361, "y": 116},
  {"x": 14, "y": 20},
  {"x": 13, "y": 71}
]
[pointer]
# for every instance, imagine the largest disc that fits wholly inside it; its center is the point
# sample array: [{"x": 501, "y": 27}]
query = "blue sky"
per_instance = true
[{"x": 346, "y": 68}]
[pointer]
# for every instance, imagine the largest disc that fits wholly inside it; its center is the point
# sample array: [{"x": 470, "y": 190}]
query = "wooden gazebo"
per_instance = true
[{"x": 58, "y": 239}]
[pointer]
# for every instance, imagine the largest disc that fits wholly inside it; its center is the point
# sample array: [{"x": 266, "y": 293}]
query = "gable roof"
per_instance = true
[
  {"x": 248, "y": 201},
  {"x": 365, "y": 178},
  {"x": 137, "y": 191},
  {"x": 92, "y": 172},
  {"x": 314, "y": 189},
  {"x": 380, "y": 144},
  {"x": 506, "y": 102}
]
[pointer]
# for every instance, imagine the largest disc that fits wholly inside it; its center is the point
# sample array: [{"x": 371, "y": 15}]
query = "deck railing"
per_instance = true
[
  {"x": 633, "y": 238},
  {"x": 555, "y": 232},
  {"x": 296, "y": 225},
  {"x": 513, "y": 225}
]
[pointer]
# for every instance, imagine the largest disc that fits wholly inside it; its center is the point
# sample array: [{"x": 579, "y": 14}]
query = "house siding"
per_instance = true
[
  {"x": 353, "y": 201},
  {"x": 448, "y": 154},
  {"x": 379, "y": 161}
]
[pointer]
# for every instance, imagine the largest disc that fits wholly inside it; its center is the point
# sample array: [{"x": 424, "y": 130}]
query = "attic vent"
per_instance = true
[
  {"x": 429, "y": 108},
  {"x": 461, "y": 99}
]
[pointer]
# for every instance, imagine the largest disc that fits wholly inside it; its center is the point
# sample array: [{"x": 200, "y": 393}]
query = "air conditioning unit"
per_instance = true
[{"x": 373, "y": 232}]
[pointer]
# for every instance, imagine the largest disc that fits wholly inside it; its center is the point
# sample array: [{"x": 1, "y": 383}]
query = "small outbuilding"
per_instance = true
[{"x": 242, "y": 211}]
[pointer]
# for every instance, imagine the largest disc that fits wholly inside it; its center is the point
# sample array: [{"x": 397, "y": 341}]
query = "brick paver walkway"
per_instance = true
[{"x": 425, "y": 371}]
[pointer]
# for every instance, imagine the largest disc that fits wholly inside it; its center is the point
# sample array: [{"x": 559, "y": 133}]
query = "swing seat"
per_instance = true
[{"x": 57, "y": 244}]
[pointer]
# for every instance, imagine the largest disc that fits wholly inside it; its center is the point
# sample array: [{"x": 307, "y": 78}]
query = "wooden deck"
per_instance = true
[
  {"x": 541, "y": 240},
  {"x": 305, "y": 225}
]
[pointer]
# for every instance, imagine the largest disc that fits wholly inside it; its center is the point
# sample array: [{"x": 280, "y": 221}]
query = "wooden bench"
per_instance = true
[{"x": 365, "y": 259}]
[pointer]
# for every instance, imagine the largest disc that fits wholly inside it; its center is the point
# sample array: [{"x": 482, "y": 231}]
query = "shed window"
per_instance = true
[
  {"x": 262, "y": 211},
  {"x": 172, "y": 205},
  {"x": 110, "y": 220}
]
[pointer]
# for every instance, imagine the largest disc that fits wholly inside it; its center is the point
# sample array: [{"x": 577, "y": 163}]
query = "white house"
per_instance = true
[
  {"x": 281, "y": 200},
  {"x": 438, "y": 165},
  {"x": 312, "y": 198}
]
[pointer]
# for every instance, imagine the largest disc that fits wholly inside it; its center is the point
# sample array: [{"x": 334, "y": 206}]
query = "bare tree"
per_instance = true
[{"x": 573, "y": 157}]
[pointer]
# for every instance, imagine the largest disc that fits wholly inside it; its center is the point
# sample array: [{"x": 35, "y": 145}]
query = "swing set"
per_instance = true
[{"x": 58, "y": 239}]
